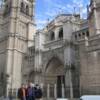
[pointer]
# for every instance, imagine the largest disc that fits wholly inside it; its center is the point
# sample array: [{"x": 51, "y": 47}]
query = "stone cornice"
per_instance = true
[
  {"x": 16, "y": 50},
  {"x": 93, "y": 48},
  {"x": 4, "y": 51},
  {"x": 15, "y": 36},
  {"x": 53, "y": 49}
]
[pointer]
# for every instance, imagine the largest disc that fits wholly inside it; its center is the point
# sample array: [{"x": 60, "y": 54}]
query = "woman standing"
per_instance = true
[{"x": 22, "y": 92}]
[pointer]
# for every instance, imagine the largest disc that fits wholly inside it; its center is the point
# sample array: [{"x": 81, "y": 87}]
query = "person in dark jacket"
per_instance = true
[
  {"x": 22, "y": 92},
  {"x": 31, "y": 92},
  {"x": 26, "y": 87},
  {"x": 38, "y": 91}
]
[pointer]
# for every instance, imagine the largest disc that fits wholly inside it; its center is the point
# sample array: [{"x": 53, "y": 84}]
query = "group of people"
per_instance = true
[{"x": 29, "y": 92}]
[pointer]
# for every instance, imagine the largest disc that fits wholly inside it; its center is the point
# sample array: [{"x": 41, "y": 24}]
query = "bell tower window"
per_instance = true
[
  {"x": 27, "y": 10},
  {"x": 52, "y": 36},
  {"x": 7, "y": 9},
  {"x": 87, "y": 33},
  {"x": 61, "y": 33},
  {"x": 22, "y": 7}
]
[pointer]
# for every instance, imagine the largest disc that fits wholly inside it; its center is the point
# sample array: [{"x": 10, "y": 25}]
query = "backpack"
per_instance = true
[{"x": 38, "y": 93}]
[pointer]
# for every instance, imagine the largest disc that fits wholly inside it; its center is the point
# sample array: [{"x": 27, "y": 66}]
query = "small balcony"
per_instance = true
[{"x": 55, "y": 43}]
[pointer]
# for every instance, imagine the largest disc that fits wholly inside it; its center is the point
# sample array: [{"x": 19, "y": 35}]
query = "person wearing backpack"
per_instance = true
[
  {"x": 30, "y": 92},
  {"x": 38, "y": 92}
]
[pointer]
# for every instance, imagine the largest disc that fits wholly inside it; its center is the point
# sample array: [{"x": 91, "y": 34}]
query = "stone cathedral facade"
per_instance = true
[{"x": 63, "y": 57}]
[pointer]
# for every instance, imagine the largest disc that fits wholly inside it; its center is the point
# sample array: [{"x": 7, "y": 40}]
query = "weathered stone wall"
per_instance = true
[{"x": 89, "y": 69}]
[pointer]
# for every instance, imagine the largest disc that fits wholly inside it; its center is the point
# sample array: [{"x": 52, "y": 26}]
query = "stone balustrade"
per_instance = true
[
  {"x": 54, "y": 43},
  {"x": 53, "y": 91}
]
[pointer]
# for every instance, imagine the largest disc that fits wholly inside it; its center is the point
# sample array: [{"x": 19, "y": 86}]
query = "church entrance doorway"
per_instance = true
[{"x": 54, "y": 78}]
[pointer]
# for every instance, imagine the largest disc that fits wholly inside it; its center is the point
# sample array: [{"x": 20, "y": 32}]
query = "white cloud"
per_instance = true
[
  {"x": 55, "y": 7},
  {"x": 41, "y": 23},
  {"x": 84, "y": 10}
]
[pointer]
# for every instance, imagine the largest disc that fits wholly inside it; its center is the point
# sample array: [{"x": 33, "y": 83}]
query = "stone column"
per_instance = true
[
  {"x": 96, "y": 18},
  {"x": 16, "y": 93},
  {"x": 7, "y": 91},
  {"x": 86, "y": 41},
  {"x": 41, "y": 85},
  {"x": 63, "y": 92},
  {"x": 48, "y": 91},
  {"x": 55, "y": 91},
  {"x": 71, "y": 84}
]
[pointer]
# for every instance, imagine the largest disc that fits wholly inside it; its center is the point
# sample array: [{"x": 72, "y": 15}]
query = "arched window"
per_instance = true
[
  {"x": 75, "y": 36},
  {"x": 61, "y": 33},
  {"x": 27, "y": 10},
  {"x": 22, "y": 7},
  {"x": 6, "y": 7},
  {"x": 87, "y": 34},
  {"x": 6, "y": 10},
  {"x": 83, "y": 34},
  {"x": 52, "y": 35},
  {"x": 79, "y": 35}
]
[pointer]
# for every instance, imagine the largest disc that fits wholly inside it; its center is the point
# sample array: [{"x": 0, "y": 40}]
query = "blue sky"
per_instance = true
[{"x": 48, "y": 9}]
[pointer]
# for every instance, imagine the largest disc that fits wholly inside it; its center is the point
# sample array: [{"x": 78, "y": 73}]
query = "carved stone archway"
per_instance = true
[
  {"x": 54, "y": 74},
  {"x": 48, "y": 55}
]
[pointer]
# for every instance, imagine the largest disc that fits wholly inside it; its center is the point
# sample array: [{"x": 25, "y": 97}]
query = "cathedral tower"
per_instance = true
[
  {"x": 16, "y": 34},
  {"x": 93, "y": 16}
]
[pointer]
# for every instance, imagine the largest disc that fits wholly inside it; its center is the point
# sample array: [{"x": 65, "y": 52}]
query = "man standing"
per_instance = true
[
  {"x": 31, "y": 92},
  {"x": 22, "y": 92},
  {"x": 38, "y": 92}
]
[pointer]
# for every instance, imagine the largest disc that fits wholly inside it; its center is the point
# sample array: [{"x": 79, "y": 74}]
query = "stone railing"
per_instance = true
[
  {"x": 52, "y": 91},
  {"x": 54, "y": 43}
]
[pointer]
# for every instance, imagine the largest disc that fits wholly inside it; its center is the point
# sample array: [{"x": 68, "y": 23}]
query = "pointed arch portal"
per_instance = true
[{"x": 54, "y": 74}]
